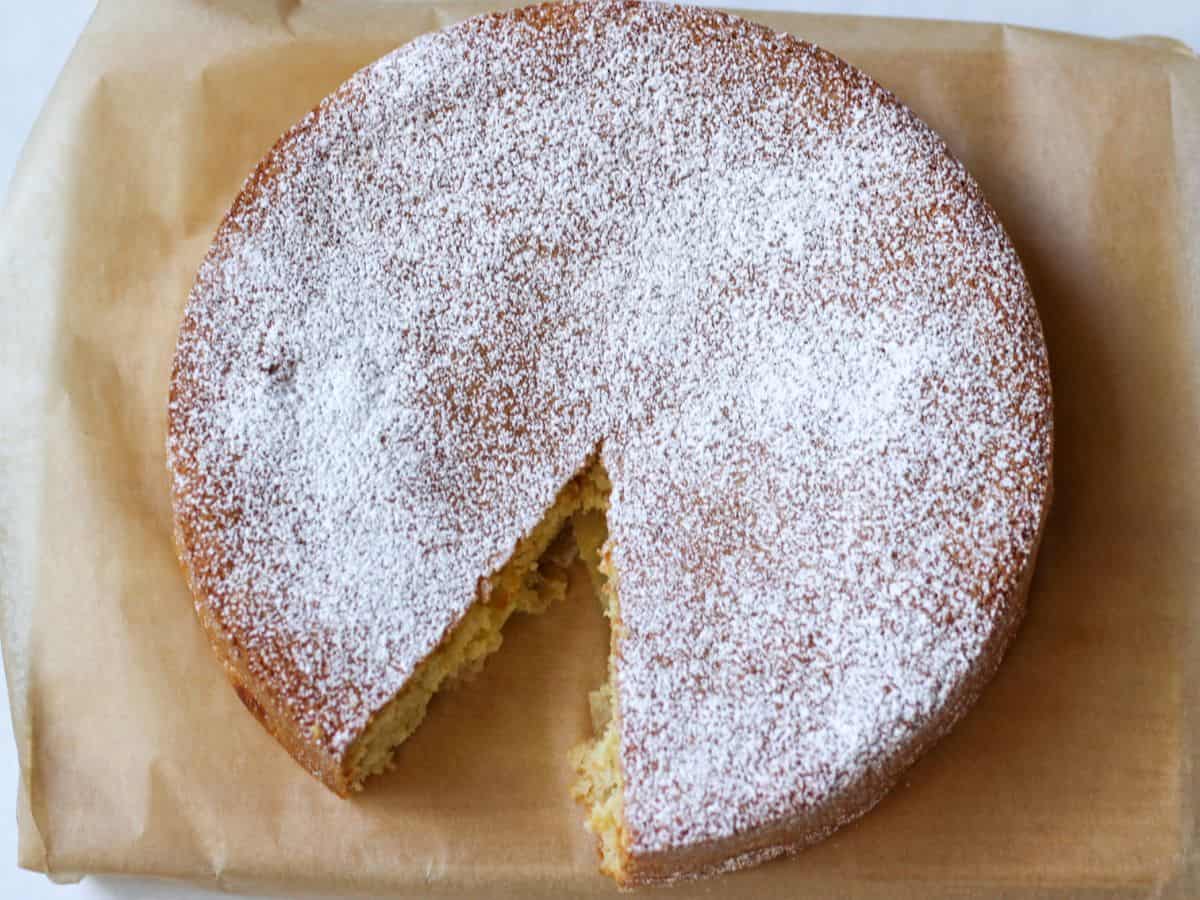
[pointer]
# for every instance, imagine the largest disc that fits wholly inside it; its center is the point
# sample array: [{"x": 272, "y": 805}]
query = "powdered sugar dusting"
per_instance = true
[{"x": 800, "y": 336}]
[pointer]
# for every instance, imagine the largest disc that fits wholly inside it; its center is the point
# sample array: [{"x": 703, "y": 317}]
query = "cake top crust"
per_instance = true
[{"x": 736, "y": 266}]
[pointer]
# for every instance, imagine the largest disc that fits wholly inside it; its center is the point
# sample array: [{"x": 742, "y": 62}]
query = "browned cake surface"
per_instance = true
[{"x": 728, "y": 262}]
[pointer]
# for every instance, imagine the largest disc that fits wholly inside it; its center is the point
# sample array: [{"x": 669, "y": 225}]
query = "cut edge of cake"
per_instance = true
[
  {"x": 534, "y": 577},
  {"x": 600, "y": 786}
]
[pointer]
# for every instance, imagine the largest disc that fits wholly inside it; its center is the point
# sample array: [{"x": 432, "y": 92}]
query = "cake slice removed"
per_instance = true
[{"x": 534, "y": 577}]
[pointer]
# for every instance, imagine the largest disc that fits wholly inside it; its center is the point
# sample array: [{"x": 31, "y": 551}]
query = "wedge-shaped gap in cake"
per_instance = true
[{"x": 534, "y": 577}]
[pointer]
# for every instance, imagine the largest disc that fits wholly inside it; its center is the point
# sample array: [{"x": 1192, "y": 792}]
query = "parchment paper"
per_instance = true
[{"x": 1074, "y": 775}]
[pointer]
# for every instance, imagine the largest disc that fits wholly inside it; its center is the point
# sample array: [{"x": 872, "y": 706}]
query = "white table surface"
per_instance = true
[{"x": 35, "y": 39}]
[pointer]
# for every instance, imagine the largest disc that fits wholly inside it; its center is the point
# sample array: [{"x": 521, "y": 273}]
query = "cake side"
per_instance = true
[
  {"x": 600, "y": 782},
  {"x": 198, "y": 561}
]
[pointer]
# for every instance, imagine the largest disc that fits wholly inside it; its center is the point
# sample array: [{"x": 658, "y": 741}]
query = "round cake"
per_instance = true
[{"x": 696, "y": 297}]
